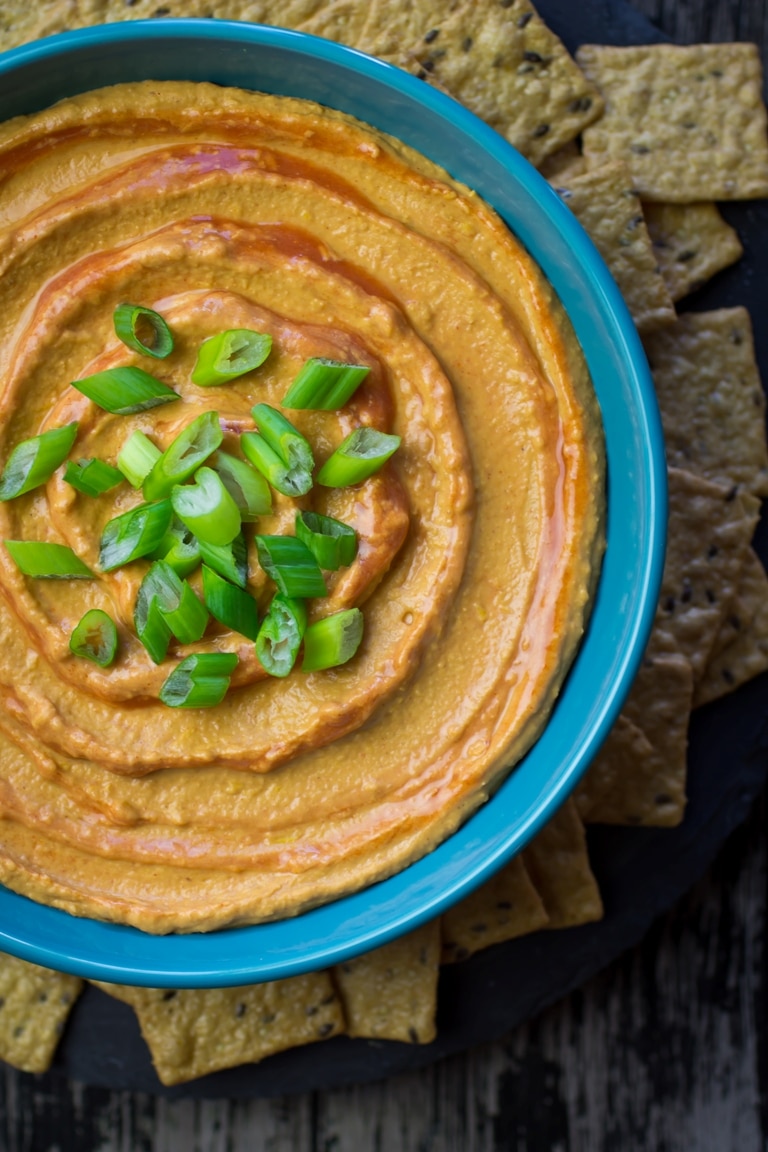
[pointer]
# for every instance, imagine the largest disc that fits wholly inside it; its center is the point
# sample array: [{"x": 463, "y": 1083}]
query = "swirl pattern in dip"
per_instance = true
[{"x": 479, "y": 540}]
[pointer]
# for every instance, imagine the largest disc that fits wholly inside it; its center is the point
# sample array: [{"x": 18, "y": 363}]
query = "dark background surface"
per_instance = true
[{"x": 665, "y": 1050}]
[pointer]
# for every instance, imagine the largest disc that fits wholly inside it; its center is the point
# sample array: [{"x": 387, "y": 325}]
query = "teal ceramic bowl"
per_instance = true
[{"x": 288, "y": 63}]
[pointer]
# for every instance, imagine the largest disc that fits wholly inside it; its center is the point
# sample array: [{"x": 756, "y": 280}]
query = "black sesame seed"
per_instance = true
[
  {"x": 432, "y": 35},
  {"x": 18, "y": 1030},
  {"x": 466, "y": 43},
  {"x": 583, "y": 104},
  {"x": 712, "y": 552},
  {"x": 736, "y": 336},
  {"x": 428, "y": 65},
  {"x": 533, "y": 57},
  {"x": 268, "y": 1018},
  {"x": 639, "y": 149},
  {"x": 728, "y": 676},
  {"x": 506, "y": 3},
  {"x": 710, "y": 596},
  {"x": 329, "y": 999},
  {"x": 686, "y": 594},
  {"x": 669, "y": 604},
  {"x": 161, "y": 12},
  {"x": 541, "y": 130},
  {"x": 241, "y": 1010},
  {"x": 421, "y": 74},
  {"x": 168, "y": 995},
  {"x": 732, "y": 493},
  {"x": 715, "y": 72},
  {"x": 413, "y": 1035},
  {"x": 524, "y": 19},
  {"x": 130, "y": 3},
  {"x": 734, "y": 621},
  {"x": 686, "y": 255},
  {"x": 325, "y": 1030}
]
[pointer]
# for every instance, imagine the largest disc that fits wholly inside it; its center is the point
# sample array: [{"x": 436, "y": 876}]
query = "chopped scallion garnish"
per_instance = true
[
  {"x": 184, "y": 455},
  {"x": 95, "y": 638},
  {"x": 331, "y": 542},
  {"x": 137, "y": 458},
  {"x": 279, "y": 451},
  {"x": 125, "y": 390},
  {"x": 207, "y": 508},
  {"x": 291, "y": 565},
  {"x": 199, "y": 681},
  {"x": 324, "y": 384},
  {"x": 92, "y": 477},
  {"x": 358, "y": 456},
  {"x": 246, "y": 486},
  {"x": 229, "y": 560},
  {"x": 47, "y": 561},
  {"x": 333, "y": 640},
  {"x": 280, "y": 634},
  {"x": 230, "y": 605},
  {"x": 166, "y": 606},
  {"x": 179, "y": 548},
  {"x": 229, "y": 355},
  {"x": 34, "y": 461},
  {"x": 134, "y": 534},
  {"x": 143, "y": 330}
]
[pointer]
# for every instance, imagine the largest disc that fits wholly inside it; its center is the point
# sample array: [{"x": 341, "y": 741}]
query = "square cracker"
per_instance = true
[
  {"x": 499, "y": 59},
  {"x": 196, "y": 1031},
  {"x": 558, "y": 862},
  {"x": 638, "y": 776},
  {"x": 506, "y": 906},
  {"x": 391, "y": 992},
  {"x": 740, "y": 650},
  {"x": 605, "y": 203},
  {"x": 34, "y": 1005},
  {"x": 710, "y": 529},
  {"x": 692, "y": 242},
  {"x": 689, "y": 121},
  {"x": 711, "y": 400}
]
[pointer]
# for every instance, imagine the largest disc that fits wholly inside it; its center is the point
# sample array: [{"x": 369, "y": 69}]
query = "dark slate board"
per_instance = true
[{"x": 642, "y": 872}]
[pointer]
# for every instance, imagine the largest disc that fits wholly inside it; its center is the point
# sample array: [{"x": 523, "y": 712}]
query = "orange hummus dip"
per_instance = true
[{"x": 479, "y": 540}]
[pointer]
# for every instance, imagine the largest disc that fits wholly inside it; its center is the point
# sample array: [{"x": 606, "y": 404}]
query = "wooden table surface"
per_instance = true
[{"x": 665, "y": 1051}]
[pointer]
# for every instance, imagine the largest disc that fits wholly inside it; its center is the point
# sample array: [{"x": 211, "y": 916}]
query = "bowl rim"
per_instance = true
[{"x": 374, "y": 915}]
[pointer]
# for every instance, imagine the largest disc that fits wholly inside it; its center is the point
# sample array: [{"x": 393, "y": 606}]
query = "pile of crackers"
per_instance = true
[{"x": 640, "y": 142}]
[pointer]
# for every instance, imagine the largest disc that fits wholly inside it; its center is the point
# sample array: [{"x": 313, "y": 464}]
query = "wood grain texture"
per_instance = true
[{"x": 666, "y": 1051}]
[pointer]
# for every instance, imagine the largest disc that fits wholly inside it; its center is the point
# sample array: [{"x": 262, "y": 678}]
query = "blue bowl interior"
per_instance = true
[{"x": 289, "y": 63}]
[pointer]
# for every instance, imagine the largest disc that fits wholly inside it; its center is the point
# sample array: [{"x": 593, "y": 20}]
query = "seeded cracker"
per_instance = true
[
  {"x": 710, "y": 529},
  {"x": 391, "y": 993},
  {"x": 692, "y": 242},
  {"x": 559, "y": 866},
  {"x": 34, "y": 1005},
  {"x": 193, "y": 1032},
  {"x": 638, "y": 776},
  {"x": 605, "y": 203},
  {"x": 712, "y": 403},
  {"x": 506, "y": 906},
  {"x": 689, "y": 121},
  {"x": 740, "y": 650},
  {"x": 500, "y": 60}
]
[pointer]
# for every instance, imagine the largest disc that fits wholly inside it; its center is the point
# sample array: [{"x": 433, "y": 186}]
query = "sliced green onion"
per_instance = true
[
  {"x": 279, "y": 452},
  {"x": 280, "y": 635},
  {"x": 95, "y": 638},
  {"x": 229, "y": 355},
  {"x": 189, "y": 619},
  {"x": 179, "y": 548},
  {"x": 134, "y": 534},
  {"x": 246, "y": 486},
  {"x": 137, "y": 458},
  {"x": 125, "y": 390},
  {"x": 166, "y": 606},
  {"x": 184, "y": 455},
  {"x": 92, "y": 477},
  {"x": 199, "y": 681},
  {"x": 229, "y": 560},
  {"x": 47, "y": 561},
  {"x": 34, "y": 461},
  {"x": 230, "y": 605},
  {"x": 291, "y": 565},
  {"x": 358, "y": 456},
  {"x": 207, "y": 508},
  {"x": 151, "y": 626},
  {"x": 332, "y": 543},
  {"x": 333, "y": 640},
  {"x": 324, "y": 384},
  {"x": 143, "y": 330}
]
